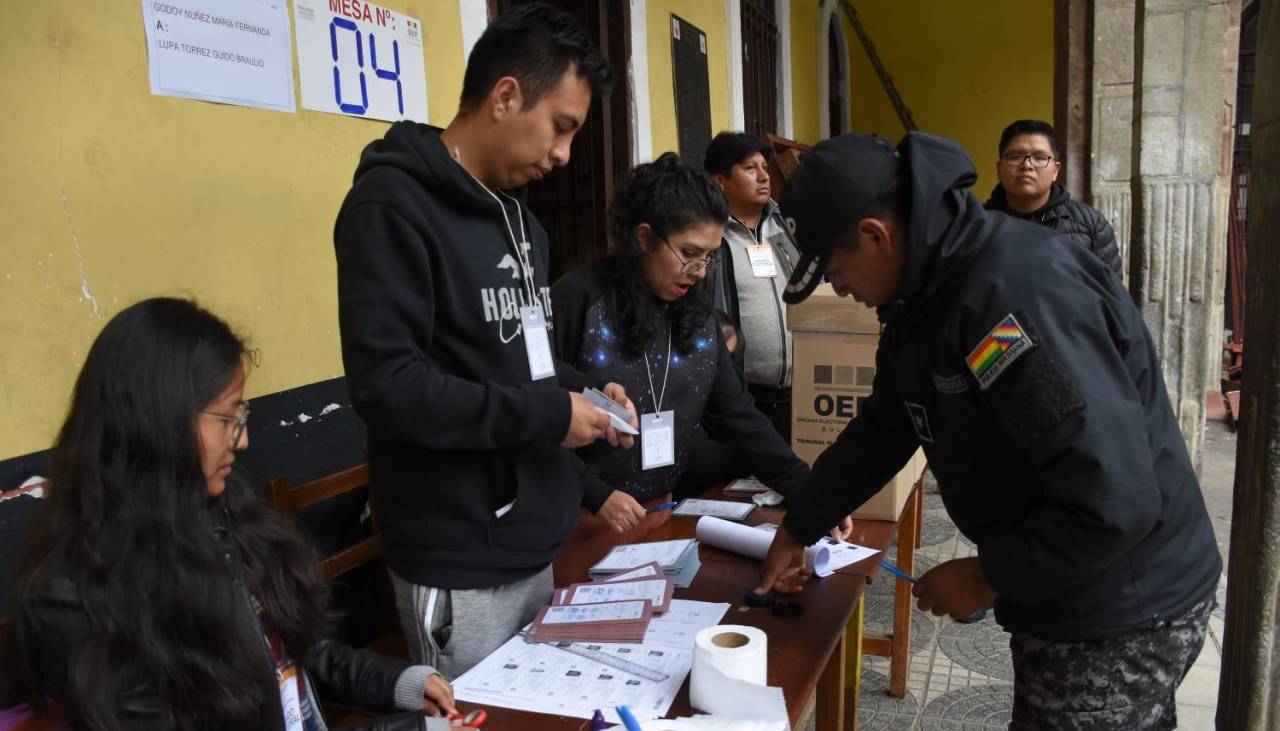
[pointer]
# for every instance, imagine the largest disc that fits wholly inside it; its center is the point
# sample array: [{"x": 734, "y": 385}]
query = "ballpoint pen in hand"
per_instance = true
[{"x": 897, "y": 572}]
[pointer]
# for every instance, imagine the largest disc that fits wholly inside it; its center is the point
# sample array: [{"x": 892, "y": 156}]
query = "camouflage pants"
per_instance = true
[{"x": 1125, "y": 682}]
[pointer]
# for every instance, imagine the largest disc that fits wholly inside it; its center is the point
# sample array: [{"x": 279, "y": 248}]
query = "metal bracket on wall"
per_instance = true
[{"x": 899, "y": 106}]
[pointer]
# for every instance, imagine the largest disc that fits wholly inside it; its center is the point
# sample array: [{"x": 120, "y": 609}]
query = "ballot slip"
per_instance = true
[
  {"x": 724, "y": 509},
  {"x": 624, "y": 621},
  {"x": 744, "y": 487},
  {"x": 657, "y": 591},
  {"x": 677, "y": 558}
]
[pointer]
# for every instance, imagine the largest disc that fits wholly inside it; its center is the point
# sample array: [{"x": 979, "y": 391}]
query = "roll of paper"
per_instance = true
[
  {"x": 730, "y": 669},
  {"x": 754, "y": 542}
]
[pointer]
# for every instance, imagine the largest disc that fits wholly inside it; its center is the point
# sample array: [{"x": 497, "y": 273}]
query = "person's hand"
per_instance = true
[
  {"x": 843, "y": 529},
  {"x": 621, "y": 512},
  {"x": 437, "y": 696},
  {"x": 783, "y": 570},
  {"x": 618, "y": 394},
  {"x": 956, "y": 587},
  {"x": 587, "y": 423}
]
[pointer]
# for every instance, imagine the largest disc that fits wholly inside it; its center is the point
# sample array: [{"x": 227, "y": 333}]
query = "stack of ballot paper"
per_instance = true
[
  {"x": 745, "y": 487},
  {"x": 643, "y": 582},
  {"x": 677, "y": 559},
  {"x": 603, "y": 622}
]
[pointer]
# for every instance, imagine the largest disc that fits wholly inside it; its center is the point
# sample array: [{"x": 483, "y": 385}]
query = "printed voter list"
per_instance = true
[{"x": 226, "y": 51}]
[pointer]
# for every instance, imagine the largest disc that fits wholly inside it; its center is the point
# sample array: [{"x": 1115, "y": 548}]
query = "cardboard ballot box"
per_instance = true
[{"x": 835, "y": 361}]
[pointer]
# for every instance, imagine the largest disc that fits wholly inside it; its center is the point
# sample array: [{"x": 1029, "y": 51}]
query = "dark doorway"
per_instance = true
[
  {"x": 835, "y": 77},
  {"x": 760, "y": 67},
  {"x": 571, "y": 202}
]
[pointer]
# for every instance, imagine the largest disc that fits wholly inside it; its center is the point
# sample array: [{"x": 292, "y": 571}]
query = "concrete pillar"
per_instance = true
[
  {"x": 1249, "y": 694},
  {"x": 1111, "y": 128},
  {"x": 1178, "y": 241},
  {"x": 1072, "y": 91}
]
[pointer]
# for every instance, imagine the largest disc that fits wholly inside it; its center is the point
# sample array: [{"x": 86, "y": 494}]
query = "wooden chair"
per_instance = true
[{"x": 289, "y": 500}]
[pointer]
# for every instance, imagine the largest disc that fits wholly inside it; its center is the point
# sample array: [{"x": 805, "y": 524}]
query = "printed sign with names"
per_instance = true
[
  {"x": 227, "y": 51},
  {"x": 360, "y": 59}
]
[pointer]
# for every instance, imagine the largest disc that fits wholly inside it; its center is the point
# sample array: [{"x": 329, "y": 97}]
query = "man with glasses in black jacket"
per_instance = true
[{"x": 1028, "y": 189}]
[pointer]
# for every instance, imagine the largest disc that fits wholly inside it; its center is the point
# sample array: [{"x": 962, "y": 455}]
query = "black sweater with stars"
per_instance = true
[{"x": 703, "y": 388}]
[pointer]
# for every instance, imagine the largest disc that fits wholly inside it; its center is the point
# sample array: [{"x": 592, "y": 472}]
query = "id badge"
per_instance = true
[
  {"x": 289, "y": 699},
  {"x": 763, "y": 265},
  {"x": 657, "y": 440},
  {"x": 536, "y": 344}
]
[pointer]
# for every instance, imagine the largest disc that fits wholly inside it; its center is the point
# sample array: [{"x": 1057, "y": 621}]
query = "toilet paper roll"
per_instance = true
[
  {"x": 730, "y": 669},
  {"x": 754, "y": 542}
]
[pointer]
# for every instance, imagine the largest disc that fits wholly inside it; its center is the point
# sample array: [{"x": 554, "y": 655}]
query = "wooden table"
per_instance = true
[
  {"x": 807, "y": 654},
  {"x": 813, "y": 657}
]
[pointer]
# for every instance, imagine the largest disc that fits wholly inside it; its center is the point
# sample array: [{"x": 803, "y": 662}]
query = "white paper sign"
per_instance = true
[
  {"x": 360, "y": 59},
  {"x": 228, "y": 51}
]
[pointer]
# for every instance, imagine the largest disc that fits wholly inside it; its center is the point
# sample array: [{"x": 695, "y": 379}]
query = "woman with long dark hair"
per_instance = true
[
  {"x": 640, "y": 317},
  {"x": 158, "y": 591}
]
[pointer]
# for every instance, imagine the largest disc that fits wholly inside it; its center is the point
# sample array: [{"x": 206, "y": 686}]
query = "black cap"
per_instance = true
[{"x": 836, "y": 184}]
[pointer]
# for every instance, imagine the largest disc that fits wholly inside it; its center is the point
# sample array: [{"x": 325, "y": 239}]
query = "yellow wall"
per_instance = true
[
  {"x": 965, "y": 69},
  {"x": 124, "y": 195},
  {"x": 804, "y": 71},
  {"x": 709, "y": 17}
]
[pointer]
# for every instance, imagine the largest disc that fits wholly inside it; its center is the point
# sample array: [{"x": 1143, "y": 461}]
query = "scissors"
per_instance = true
[{"x": 475, "y": 719}]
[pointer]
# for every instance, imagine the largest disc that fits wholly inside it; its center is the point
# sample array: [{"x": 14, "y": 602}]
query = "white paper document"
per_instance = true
[
  {"x": 727, "y": 509},
  {"x": 360, "y": 59},
  {"x": 637, "y": 573},
  {"x": 839, "y": 553},
  {"x": 543, "y": 678},
  {"x": 227, "y": 51},
  {"x": 682, "y": 622},
  {"x": 568, "y": 614},
  {"x": 654, "y": 591},
  {"x": 665, "y": 553}
]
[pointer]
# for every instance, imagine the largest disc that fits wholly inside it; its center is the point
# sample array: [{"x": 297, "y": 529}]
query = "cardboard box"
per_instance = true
[
  {"x": 824, "y": 311},
  {"x": 835, "y": 356}
]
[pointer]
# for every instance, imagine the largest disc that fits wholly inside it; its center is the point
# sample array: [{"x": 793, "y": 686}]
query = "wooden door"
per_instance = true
[{"x": 571, "y": 202}]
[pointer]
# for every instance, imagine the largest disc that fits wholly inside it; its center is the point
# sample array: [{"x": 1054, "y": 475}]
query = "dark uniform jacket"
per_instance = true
[
  {"x": 1020, "y": 364},
  {"x": 1080, "y": 221}
]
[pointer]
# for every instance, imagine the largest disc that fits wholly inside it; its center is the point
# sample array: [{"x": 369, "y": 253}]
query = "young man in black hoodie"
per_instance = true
[
  {"x": 1020, "y": 364},
  {"x": 1028, "y": 170},
  {"x": 444, "y": 309}
]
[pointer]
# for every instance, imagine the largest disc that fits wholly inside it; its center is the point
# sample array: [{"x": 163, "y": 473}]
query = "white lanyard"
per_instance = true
[
  {"x": 657, "y": 397},
  {"x": 521, "y": 252}
]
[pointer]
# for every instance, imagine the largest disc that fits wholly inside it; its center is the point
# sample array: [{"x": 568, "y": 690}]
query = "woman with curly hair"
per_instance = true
[{"x": 640, "y": 317}]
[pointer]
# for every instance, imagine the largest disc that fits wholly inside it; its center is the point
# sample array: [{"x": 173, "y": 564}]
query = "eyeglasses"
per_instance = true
[
  {"x": 1039, "y": 160},
  {"x": 693, "y": 266},
  {"x": 240, "y": 419}
]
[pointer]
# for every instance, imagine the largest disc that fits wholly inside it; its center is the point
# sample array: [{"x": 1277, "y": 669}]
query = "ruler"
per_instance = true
[{"x": 612, "y": 661}]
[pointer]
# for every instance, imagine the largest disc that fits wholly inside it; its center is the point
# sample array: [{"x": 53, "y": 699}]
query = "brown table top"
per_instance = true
[{"x": 798, "y": 647}]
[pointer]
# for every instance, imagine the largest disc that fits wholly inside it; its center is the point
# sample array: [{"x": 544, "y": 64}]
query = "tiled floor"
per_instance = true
[{"x": 961, "y": 676}]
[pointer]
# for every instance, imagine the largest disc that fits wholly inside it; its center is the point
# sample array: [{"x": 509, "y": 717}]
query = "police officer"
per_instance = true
[{"x": 1020, "y": 364}]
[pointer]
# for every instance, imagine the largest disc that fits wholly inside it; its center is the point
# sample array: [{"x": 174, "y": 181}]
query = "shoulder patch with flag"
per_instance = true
[{"x": 998, "y": 350}]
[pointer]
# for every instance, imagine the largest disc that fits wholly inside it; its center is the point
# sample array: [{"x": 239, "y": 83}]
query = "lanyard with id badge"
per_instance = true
[
  {"x": 290, "y": 700},
  {"x": 533, "y": 321},
  {"x": 658, "y": 429}
]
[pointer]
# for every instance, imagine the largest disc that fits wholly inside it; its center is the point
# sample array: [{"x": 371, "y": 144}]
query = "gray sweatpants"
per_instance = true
[{"x": 453, "y": 629}]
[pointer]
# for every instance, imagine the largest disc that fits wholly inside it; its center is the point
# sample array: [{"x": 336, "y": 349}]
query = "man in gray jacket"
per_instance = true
[{"x": 757, "y": 258}]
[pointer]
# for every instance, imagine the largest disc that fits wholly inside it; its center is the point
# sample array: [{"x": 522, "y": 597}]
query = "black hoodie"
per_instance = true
[
  {"x": 1061, "y": 460},
  {"x": 1082, "y": 222},
  {"x": 429, "y": 287}
]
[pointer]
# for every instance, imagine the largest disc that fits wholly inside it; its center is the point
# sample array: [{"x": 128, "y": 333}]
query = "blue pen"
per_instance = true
[
  {"x": 628, "y": 720},
  {"x": 664, "y": 506},
  {"x": 897, "y": 572}
]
